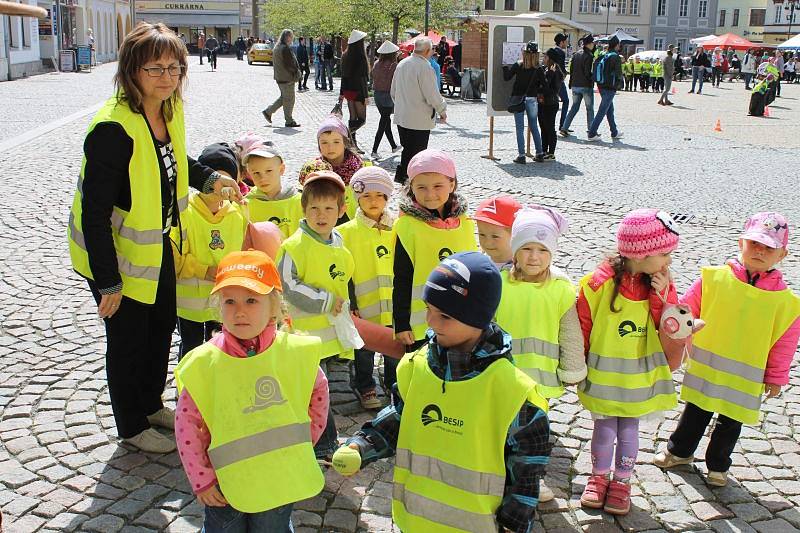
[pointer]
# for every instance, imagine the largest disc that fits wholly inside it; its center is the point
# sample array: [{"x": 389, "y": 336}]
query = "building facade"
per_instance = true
[
  {"x": 608, "y": 16},
  {"x": 20, "y": 46},
  {"x": 782, "y": 21},
  {"x": 515, "y": 7},
  {"x": 220, "y": 18},
  {"x": 742, "y": 17},
  {"x": 677, "y": 22}
]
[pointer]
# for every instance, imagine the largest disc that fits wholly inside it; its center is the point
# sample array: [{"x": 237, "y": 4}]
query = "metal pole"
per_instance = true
[{"x": 427, "y": 16}]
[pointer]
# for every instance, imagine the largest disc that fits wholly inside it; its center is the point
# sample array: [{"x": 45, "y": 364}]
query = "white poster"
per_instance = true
[
  {"x": 512, "y": 52},
  {"x": 515, "y": 34}
]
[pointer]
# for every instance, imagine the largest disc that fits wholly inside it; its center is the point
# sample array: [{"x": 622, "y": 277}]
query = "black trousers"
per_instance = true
[
  {"x": 691, "y": 427},
  {"x": 193, "y": 334},
  {"x": 547, "y": 125},
  {"x": 413, "y": 142},
  {"x": 384, "y": 128},
  {"x": 138, "y": 338},
  {"x": 304, "y": 72}
]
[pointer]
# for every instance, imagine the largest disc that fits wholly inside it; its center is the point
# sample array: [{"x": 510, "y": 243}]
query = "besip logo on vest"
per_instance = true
[
  {"x": 432, "y": 414},
  {"x": 278, "y": 221},
  {"x": 381, "y": 251},
  {"x": 335, "y": 273},
  {"x": 628, "y": 327},
  {"x": 445, "y": 252}
]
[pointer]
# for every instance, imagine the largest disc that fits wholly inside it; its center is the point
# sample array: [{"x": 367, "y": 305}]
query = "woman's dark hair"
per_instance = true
[
  {"x": 353, "y": 56},
  {"x": 617, "y": 263},
  {"x": 391, "y": 56}
]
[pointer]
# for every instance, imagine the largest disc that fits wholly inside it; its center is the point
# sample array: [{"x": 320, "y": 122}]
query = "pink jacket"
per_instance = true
[
  {"x": 781, "y": 354},
  {"x": 191, "y": 432}
]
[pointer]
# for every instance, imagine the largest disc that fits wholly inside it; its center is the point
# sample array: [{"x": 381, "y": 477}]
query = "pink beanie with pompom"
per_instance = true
[{"x": 646, "y": 232}]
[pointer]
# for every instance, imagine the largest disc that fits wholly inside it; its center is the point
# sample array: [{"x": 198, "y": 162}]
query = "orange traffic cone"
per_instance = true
[
  {"x": 718, "y": 127},
  {"x": 766, "y": 111}
]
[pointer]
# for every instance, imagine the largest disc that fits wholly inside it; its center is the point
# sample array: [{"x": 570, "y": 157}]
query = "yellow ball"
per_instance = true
[{"x": 346, "y": 461}]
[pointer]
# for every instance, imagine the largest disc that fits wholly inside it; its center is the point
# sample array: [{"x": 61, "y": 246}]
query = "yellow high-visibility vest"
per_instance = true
[
  {"x": 449, "y": 472},
  {"x": 373, "y": 253},
  {"x": 628, "y": 374},
  {"x": 726, "y": 370},
  {"x": 326, "y": 267},
  {"x": 138, "y": 234},
  {"x": 285, "y": 213},
  {"x": 531, "y": 313},
  {"x": 427, "y": 247},
  {"x": 256, "y": 410}
]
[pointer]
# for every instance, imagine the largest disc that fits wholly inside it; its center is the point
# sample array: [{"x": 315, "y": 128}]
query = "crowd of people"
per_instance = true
[{"x": 268, "y": 284}]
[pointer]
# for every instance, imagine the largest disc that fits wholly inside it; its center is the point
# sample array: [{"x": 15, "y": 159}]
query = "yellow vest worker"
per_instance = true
[
  {"x": 256, "y": 410},
  {"x": 726, "y": 370},
  {"x": 138, "y": 234},
  {"x": 427, "y": 246},
  {"x": 285, "y": 213},
  {"x": 628, "y": 374},
  {"x": 531, "y": 313}
]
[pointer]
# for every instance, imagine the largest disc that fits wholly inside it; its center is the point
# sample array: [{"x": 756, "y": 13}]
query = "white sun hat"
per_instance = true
[
  {"x": 388, "y": 47},
  {"x": 355, "y": 36}
]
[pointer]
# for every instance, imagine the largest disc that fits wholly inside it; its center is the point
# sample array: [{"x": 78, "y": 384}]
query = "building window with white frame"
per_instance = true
[
  {"x": 558, "y": 6},
  {"x": 658, "y": 43},
  {"x": 757, "y": 17},
  {"x": 735, "y": 21},
  {"x": 702, "y": 9},
  {"x": 583, "y": 6},
  {"x": 634, "y": 7},
  {"x": 662, "y": 8},
  {"x": 721, "y": 17},
  {"x": 595, "y": 6},
  {"x": 778, "y": 10},
  {"x": 683, "y": 8},
  {"x": 622, "y": 7}
]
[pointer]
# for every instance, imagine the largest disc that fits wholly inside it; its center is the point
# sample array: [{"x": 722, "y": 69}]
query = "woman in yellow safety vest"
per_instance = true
[
  {"x": 132, "y": 189},
  {"x": 745, "y": 350},
  {"x": 629, "y": 375}
]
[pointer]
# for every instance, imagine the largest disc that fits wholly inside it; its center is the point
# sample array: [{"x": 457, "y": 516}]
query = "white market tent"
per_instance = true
[
  {"x": 791, "y": 44},
  {"x": 701, "y": 40},
  {"x": 647, "y": 55}
]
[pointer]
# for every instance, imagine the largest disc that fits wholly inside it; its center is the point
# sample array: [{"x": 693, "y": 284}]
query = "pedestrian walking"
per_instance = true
[
  {"x": 302, "y": 61},
  {"x": 753, "y": 318},
  {"x": 135, "y": 151},
  {"x": 354, "y": 84},
  {"x": 201, "y": 45},
  {"x": 717, "y": 59},
  {"x": 560, "y": 50},
  {"x": 442, "y": 51},
  {"x": 524, "y": 99},
  {"x": 608, "y": 76},
  {"x": 748, "y": 68},
  {"x": 581, "y": 83},
  {"x": 668, "y": 70},
  {"x": 212, "y": 47},
  {"x": 241, "y": 48},
  {"x": 417, "y": 101},
  {"x": 780, "y": 64},
  {"x": 286, "y": 72},
  {"x": 700, "y": 62},
  {"x": 319, "y": 76},
  {"x": 382, "y": 75},
  {"x": 328, "y": 58},
  {"x": 548, "y": 91}
]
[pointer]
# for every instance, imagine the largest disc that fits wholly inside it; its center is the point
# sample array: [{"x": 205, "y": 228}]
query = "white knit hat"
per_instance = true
[
  {"x": 540, "y": 224},
  {"x": 355, "y": 36}
]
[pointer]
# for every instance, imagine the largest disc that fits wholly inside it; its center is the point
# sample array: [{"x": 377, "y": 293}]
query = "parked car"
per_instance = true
[{"x": 260, "y": 53}]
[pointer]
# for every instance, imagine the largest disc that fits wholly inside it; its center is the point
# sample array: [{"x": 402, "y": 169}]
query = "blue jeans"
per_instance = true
[
  {"x": 563, "y": 95},
  {"x": 229, "y": 520},
  {"x": 327, "y": 71},
  {"x": 578, "y": 94},
  {"x": 606, "y": 110},
  {"x": 747, "y": 77},
  {"x": 698, "y": 73},
  {"x": 532, "y": 110}
]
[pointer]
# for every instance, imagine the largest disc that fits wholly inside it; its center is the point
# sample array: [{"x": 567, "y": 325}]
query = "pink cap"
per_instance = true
[
  {"x": 646, "y": 232},
  {"x": 499, "y": 211},
  {"x": 540, "y": 224},
  {"x": 371, "y": 178},
  {"x": 327, "y": 175},
  {"x": 333, "y": 123},
  {"x": 432, "y": 160},
  {"x": 769, "y": 228}
]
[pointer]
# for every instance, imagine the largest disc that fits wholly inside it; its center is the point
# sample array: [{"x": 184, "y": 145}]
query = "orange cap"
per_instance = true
[{"x": 253, "y": 270}]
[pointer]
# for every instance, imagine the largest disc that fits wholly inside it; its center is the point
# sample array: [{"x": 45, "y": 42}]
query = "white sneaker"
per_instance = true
[
  {"x": 164, "y": 417},
  {"x": 667, "y": 460},
  {"x": 617, "y": 136},
  {"x": 152, "y": 441},
  {"x": 374, "y": 156},
  {"x": 594, "y": 138},
  {"x": 397, "y": 149},
  {"x": 545, "y": 493}
]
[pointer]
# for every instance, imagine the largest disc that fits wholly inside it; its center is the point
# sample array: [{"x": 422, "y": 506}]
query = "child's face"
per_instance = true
[
  {"x": 372, "y": 203},
  {"x": 322, "y": 214},
  {"x": 431, "y": 190},
  {"x": 532, "y": 260},
  {"x": 757, "y": 257},
  {"x": 651, "y": 264},
  {"x": 245, "y": 313},
  {"x": 266, "y": 173},
  {"x": 495, "y": 241},
  {"x": 450, "y": 333},
  {"x": 331, "y": 146}
]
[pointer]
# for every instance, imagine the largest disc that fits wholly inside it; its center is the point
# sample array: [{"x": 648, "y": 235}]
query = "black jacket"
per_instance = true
[
  {"x": 548, "y": 84},
  {"x": 701, "y": 60},
  {"x": 580, "y": 69},
  {"x": 612, "y": 72},
  {"x": 523, "y": 77},
  {"x": 302, "y": 54},
  {"x": 562, "y": 58}
]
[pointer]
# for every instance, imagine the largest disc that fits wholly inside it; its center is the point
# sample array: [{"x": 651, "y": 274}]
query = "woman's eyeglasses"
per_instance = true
[{"x": 157, "y": 72}]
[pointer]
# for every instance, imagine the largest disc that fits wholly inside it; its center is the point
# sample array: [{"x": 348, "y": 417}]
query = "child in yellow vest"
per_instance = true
[
  {"x": 271, "y": 200},
  {"x": 494, "y": 218},
  {"x": 538, "y": 308},
  {"x": 746, "y": 348},
  {"x": 214, "y": 228},
  {"x": 315, "y": 269},
  {"x": 629, "y": 376},
  {"x": 433, "y": 225},
  {"x": 251, "y": 403},
  {"x": 469, "y": 431},
  {"x": 370, "y": 239}
]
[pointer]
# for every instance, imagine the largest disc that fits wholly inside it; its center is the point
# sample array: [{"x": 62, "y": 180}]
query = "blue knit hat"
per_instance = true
[{"x": 467, "y": 287}]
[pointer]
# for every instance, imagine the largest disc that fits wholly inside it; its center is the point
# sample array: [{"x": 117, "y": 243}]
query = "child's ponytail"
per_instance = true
[{"x": 617, "y": 264}]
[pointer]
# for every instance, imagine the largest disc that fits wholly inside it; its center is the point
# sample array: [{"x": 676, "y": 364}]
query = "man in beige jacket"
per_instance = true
[
  {"x": 416, "y": 102},
  {"x": 286, "y": 71}
]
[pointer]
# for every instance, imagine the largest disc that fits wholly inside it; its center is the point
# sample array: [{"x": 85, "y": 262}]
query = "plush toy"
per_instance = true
[{"x": 678, "y": 322}]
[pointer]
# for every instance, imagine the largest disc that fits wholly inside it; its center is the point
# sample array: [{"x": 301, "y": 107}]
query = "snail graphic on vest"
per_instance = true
[{"x": 268, "y": 393}]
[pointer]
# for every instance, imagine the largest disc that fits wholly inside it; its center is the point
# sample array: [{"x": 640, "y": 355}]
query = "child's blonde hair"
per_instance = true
[{"x": 277, "y": 304}]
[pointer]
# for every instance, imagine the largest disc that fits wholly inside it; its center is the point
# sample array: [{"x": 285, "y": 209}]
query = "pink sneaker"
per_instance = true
[
  {"x": 594, "y": 495},
  {"x": 618, "y": 501}
]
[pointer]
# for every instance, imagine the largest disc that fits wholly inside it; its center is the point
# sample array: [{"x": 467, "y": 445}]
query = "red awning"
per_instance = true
[
  {"x": 408, "y": 46},
  {"x": 729, "y": 40}
]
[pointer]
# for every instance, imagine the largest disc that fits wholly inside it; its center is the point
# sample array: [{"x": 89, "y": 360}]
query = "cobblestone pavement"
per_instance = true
[{"x": 63, "y": 469}]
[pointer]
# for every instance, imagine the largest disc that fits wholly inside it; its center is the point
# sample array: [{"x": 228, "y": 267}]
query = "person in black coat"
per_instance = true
[
  {"x": 550, "y": 80},
  {"x": 302, "y": 60}
]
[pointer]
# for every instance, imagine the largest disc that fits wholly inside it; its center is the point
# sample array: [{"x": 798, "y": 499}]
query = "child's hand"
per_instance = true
[
  {"x": 212, "y": 497},
  {"x": 405, "y": 337},
  {"x": 660, "y": 280},
  {"x": 356, "y": 313},
  {"x": 337, "y": 306},
  {"x": 771, "y": 390},
  {"x": 211, "y": 273}
]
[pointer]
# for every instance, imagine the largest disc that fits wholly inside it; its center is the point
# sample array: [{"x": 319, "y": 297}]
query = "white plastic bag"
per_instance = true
[{"x": 346, "y": 330}]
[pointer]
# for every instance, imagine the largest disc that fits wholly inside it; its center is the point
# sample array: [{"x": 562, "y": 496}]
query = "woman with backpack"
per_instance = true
[{"x": 523, "y": 101}]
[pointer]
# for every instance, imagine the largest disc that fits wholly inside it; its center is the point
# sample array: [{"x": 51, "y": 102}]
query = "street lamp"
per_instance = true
[
  {"x": 791, "y": 6},
  {"x": 608, "y": 4},
  {"x": 427, "y": 16}
]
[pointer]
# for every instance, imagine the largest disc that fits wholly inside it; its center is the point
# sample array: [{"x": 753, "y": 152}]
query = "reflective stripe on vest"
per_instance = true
[
  {"x": 628, "y": 374},
  {"x": 450, "y": 474},
  {"x": 726, "y": 369},
  {"x": 373, "y": 285},
  {"x": 426, "y": 247},
  {"x": 256, "y": 411},
  {"x": 441, "y": 513}
]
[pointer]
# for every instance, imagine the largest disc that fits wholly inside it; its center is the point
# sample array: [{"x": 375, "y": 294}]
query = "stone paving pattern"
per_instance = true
[{"x": 62, "y": 467}]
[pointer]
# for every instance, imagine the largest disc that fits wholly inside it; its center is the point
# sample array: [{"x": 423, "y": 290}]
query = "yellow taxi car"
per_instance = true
[{"x": 260, "y": 53}]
